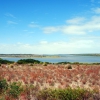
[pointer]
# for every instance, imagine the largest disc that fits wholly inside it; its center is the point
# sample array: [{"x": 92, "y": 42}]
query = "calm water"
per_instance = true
[{"x": 68, "y": 58}]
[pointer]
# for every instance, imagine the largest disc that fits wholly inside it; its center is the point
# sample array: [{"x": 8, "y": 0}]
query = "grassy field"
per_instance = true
[{"x": 51, "y": 76}]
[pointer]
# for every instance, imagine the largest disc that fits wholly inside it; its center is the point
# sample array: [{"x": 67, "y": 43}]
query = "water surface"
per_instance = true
[{"x": 68, "y": 58}]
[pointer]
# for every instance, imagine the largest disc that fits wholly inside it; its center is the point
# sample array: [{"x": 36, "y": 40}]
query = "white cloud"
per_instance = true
[
  {"x": 11, "y": 22},
  {"x": 77, "y": 20},
  {"x": 43, "y": 42},
  {"x": 97, "y": 10},
  {"x": 45, "y": 47},
  {"x": 50, "y": 29},
  {"x": 73, "y": 29},
  {"x": 77, "y": 26},
  {"x": 93, "y": 24},
  {"x": 67, "y": 29}
]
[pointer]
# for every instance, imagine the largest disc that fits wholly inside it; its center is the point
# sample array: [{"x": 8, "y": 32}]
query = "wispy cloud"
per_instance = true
[
  {"x": 33, "y": 25},
  {"x": 50, "y": 29},
  {"x": 11, "y": 22},
  {"x": 97, "y": 10},
  {"x": 77, "y": 20},
  {"x": 10, "y": 15},
  {"x": 77, "y": 25}
]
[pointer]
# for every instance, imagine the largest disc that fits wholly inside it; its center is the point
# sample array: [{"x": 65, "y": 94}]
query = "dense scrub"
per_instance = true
[
  {"x": 17, "y": 91},
  {"x": 2, "y": 61},
  {"x": 46, "y": 81},
  {"x": 66, "y": 94},
  {"x": 25, "y": 61}
]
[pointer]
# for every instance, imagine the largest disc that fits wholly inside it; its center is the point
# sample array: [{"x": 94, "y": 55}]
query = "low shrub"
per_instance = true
[
  {"x": 76, "y": 63},
  {"x": 45, "y": 64},
  {"x": 64, "y": 94},
  {"x": 3, "y": 85},
  {"x": 2, "y": 61},
  {"x": 15, "y": 89},
  {"x": 68, "y": 66},
  {"x": 25, "y": 61},
  {"x": 63, "y": 62},
  {"x": 31, "y": 64}
]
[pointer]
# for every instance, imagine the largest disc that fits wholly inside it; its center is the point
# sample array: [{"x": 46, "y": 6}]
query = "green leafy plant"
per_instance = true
[
  {"x": 64, "y": 94},
  {"x": 3, "y": 85},
  {"x": 45, "y": 64},
  {"x": 15, "y": 89},
  {"x": 5, "y": 61},
  {"x": 25, "y": 61}
]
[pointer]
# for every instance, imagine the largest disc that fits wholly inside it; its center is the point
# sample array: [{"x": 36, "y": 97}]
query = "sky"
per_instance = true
[{"x": 49, "y": 26}]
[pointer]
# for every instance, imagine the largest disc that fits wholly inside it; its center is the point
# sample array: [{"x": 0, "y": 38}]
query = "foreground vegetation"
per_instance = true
[
  {"x": 17, "y": 91},
  {"x": 34, "y": 80}
]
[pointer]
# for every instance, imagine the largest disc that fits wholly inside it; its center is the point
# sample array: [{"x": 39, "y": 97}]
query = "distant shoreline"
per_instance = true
[
  {"x": 86, "y": 54},
  {"x": 45, "y": 55},
  {"x": 55, "y": 58},
  {"x": 28, "y": 56}
]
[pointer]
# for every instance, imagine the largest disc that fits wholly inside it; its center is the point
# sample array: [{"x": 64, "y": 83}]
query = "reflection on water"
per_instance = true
[{"x": 68, "y": 58}]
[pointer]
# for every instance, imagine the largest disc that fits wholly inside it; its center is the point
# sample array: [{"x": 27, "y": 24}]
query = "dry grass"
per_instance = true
[{"x": 54, "y": 76}]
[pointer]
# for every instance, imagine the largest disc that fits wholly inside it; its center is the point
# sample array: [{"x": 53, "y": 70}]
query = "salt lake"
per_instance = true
[{"x": 67, "y": 58}]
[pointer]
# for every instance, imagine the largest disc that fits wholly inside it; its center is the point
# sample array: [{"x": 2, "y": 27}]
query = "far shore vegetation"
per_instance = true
[
  {"x": 45, "y": 55},
  {"x": 29, "y": 56},
  {"x": 33, "y": 61}
]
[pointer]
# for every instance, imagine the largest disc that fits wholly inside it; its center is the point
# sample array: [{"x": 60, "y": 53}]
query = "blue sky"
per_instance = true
[{"x": 49, "y": 26}]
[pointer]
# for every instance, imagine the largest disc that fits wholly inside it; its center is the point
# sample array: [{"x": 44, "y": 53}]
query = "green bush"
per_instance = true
[
  {"x": 5, "y": 61},
  {"x": 45, "y": 64},
  {"x": 3, "y": 85},
  {"x": 15, "y": 89},
  {"x": 64, "y": 94},
  {"x": 68, "y": 66},
  {"x": 31, "y": 64},
  {"x": 41, "y": 62},
  {"x": 63, "y": 63},
  {"x": 25, "y": 61},
  {"x": 76, "y": 63}
]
